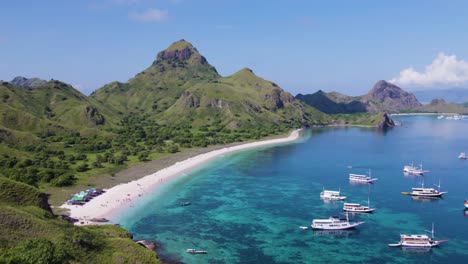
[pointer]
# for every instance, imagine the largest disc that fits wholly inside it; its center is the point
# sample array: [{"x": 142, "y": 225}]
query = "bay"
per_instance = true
[{"x": 247, "y": 207}]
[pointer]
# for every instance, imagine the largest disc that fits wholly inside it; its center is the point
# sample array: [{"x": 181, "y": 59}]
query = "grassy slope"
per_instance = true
[{"x": 31, "y": 234}]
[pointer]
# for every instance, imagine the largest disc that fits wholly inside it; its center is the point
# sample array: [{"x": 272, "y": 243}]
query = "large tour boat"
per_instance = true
[
  {"x": 331, "y": 195},
  {"x": 334, "y": 223},
  {"x": 358, "y": 208},
  {"x": 418, "y": 241},
  {"x": 411, "y": 169},
  {"x": 361, "y": 178},
  {"x": 426, "y": 192}
]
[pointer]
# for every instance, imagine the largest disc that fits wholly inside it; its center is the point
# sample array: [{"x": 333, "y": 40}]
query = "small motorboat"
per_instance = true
[
  {"x": 185, "y": 204},
  {"x": 304, "y": 227},
  {"x": 462, "y": 156},
  {"x": 194, "y": 251}
]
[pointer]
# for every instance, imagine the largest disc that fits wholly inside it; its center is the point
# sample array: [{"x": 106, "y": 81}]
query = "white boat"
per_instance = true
[
  {"x": 466, "y": 203},
  {"x": 331, "y": 195},
  {"x": 304, "y": 227},
  {"x": 334, "y": 223},
  {"x": 440, "y": 117},
  {"x": 194, "y": 251},
  {"x": 358, "y": 208},
  {"x": 462, "y": 156},
  {"x": 411, "y": 169},
  {"x": 418, "y": 241},
  {"x": 362, "y": 178},
  {"x": 457, "y": 117},
  {"x": 426, "y": 192}
]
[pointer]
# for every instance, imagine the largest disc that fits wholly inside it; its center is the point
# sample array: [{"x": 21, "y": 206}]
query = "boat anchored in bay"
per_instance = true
[
  {"x": 334, "y": 223},
  {"x": 359, "y": 178},
  {"x": 425, "y": 192},
  {"x": 462, "y": 156},
  {"x": 418, "y": 241},
  {"x": 411, "y": 169},
  {"x": 358, "y": 208},
  {"x": 331, "y": 195}
]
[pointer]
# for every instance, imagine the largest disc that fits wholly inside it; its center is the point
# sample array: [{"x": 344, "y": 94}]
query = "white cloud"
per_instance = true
[
  {"x": 445, "y": 70},
  {"x": 150, "y": 15}
]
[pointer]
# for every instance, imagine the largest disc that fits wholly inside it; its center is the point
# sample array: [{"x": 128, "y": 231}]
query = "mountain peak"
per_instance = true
[
  {"x": 181, "y": 51},
  {"x": 393, "y": 97},
  {"x": 384, "y": 88},
  {"x": 27, "y": 83}
]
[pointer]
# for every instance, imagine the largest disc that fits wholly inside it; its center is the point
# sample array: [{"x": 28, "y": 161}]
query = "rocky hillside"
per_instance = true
[
  {"x": 28, "y": 83},
  {"x": 383, "y": 97},
  {"x": 181, "y": 87},
  {"x": 387, "y": 97}
]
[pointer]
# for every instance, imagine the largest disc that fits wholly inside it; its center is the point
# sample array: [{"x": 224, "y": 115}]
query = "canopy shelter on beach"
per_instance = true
[{"x": 78, "y": 198}]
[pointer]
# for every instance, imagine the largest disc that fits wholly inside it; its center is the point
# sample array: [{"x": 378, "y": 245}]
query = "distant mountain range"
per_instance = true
[
  {"x": 452, "y": 95},
  {"x": 383, "y": 97}
]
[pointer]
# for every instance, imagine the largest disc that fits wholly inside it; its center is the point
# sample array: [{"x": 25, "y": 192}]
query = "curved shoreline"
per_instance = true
[{"x": 122, "y": 196}]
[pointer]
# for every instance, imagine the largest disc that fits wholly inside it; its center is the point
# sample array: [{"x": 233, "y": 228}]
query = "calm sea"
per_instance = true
[{"x": 247, "y": 207}]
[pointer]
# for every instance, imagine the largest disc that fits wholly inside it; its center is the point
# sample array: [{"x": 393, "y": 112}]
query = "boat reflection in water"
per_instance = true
[
  {"x": 416, "y": 250},
  {"x": 426, "y": 198},
  {"x": 335, "y": 233}
]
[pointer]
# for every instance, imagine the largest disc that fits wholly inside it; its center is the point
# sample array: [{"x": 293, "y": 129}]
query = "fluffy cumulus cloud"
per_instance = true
[
  {"x": 445, "y": 70},
  {"x": 150, "y": 15}
]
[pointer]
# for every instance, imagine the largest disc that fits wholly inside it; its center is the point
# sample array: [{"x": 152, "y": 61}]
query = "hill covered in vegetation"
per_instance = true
[{"x": 32, "y": 234}]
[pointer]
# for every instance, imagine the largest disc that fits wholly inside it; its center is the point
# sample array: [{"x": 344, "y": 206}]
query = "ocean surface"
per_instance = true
[{"x": 246, "y": 207}]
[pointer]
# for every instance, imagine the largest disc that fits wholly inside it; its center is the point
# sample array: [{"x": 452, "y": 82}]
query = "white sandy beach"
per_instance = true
[{"x": 125, "y": 195}]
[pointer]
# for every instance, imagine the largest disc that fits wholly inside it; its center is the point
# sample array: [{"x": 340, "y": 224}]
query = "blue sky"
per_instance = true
[{"x": 303, "y": 46}]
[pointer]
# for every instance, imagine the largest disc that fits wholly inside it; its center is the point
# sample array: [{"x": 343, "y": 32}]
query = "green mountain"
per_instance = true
[
  {"x": 32, "y": 234},
  {"x": 383, "y": 97},
  {"x": 332, "y": 103},
  {"x": 52, "y": 107},
  {"x": 182, "y": 88}
]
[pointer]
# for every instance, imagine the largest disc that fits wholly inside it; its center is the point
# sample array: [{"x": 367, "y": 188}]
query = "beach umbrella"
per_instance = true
[{"x": 78, "y": 198}]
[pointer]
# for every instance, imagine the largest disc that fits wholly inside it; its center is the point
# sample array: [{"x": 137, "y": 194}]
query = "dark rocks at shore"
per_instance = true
[
  {"x": 147, "y": 244},
  {"x": 387, "y": 122}
]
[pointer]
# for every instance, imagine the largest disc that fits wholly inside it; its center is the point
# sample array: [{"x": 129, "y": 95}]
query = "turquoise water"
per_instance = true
[{"x": 246, "y": 207}]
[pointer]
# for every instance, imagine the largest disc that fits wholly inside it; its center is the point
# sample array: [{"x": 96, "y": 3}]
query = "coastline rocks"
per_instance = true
[
  {"x": 387, "y": 122},
  {"x": 147, "y": 244}
]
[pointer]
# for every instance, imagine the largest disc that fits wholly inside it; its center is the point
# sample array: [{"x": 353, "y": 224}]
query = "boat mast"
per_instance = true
[{"x": 438, "y": 186}]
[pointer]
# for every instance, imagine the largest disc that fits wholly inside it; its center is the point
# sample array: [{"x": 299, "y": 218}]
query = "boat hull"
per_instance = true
[{"x": 337, "y": 227}]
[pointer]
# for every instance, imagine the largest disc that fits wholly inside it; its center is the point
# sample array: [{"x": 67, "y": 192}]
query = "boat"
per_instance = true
[
  {"x": 411, "y": 169},
  {"x": 334, "y": 223},
  {"x": 426, "y": 192},
  {"x": 440, "y": 117},
  {"x": 331, "y": 195},
  {"x": 418, "y": 241},
  {"x": 304, "y": 227},
  {"x": 358, "y": 208},
  {"x": 362, "y": 178},
  {"x": 194, "y": 251},
  {"x": 466, "y": 203},
  {"x": 462, "y": 156},
  {"x": 185, "y": 204}
]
